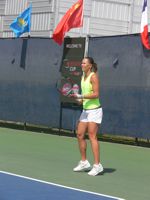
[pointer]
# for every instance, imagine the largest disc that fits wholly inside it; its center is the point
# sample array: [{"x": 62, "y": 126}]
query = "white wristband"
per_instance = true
[{"x": 79, "y": 96}]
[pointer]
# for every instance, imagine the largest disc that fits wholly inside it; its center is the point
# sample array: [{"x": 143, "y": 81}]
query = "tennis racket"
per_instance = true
[{"x": 66, "y": 86}]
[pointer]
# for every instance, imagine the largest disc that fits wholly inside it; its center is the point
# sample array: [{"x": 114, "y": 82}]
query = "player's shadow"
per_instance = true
[{"x": 108, "y": 171}]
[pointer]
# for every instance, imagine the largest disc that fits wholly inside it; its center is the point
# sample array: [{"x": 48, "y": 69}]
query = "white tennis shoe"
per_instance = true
[
  {"x": 97, "y": 169},
  {"x": 82, "y": 166}
]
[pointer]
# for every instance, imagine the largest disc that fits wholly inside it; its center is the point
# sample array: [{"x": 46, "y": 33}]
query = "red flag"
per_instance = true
[
  {"x": 144, "y": 27},
  {"x": 72, "y": 19}
]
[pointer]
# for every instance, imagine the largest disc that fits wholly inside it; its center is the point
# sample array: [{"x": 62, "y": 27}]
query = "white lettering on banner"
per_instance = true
[{"x": 73, "y": 46}]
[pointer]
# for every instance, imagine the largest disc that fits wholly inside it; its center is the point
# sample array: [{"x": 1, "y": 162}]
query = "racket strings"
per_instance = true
[
  {"x": 66, "y": 89},
  {"x": 66, "y": 86}
]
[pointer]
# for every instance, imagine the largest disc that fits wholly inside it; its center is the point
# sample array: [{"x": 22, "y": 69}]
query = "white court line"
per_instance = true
[{"x": 63, "y": 186}]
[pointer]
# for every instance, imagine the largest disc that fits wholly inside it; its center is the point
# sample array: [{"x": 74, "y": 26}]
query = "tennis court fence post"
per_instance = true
[{"x": 60, "y": 119}]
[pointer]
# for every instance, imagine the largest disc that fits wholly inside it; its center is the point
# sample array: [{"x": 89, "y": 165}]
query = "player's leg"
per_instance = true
[
  {"x": 92, "y": 133},
  {"x": 81, "y": 131},
  {"x": 83, "y": 165}
]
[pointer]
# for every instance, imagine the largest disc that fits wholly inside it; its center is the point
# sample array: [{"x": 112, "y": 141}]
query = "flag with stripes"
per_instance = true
[{"x": 144, "y": 27}]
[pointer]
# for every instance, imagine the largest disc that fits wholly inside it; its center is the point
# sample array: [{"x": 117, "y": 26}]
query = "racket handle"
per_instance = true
[{"x": 79, "y": 101}]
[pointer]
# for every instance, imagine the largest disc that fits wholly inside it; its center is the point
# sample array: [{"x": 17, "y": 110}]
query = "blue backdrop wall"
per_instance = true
[
  {"x": 124, "y": 68},
  {"x": 29, "y": 70}
]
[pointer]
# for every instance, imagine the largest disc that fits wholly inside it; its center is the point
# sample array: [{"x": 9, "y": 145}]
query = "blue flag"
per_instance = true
[{"x": 22, "y": 23}]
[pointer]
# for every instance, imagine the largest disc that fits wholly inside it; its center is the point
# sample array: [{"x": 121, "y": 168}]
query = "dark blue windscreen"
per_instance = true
[{"x": 124, "y": 71}]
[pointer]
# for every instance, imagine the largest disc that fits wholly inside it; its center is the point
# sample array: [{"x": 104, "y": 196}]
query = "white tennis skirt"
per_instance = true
[{"x": 93, "y": 115}]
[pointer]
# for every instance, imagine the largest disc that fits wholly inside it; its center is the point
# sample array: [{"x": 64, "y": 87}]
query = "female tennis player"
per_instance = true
[{"x": 91, "y": 117}]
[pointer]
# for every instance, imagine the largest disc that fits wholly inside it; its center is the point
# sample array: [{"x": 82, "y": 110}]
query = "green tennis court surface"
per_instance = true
[{"x": 51, "y": 158}]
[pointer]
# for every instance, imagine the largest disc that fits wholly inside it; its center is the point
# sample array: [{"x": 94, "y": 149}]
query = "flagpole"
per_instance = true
[
  {"x": 131, "y": 17},
  {"x": 29, "y": 34},
  {"x": 87, "y": 35},
  {"x": 86, "y": 45},
  {"x": 27, "y": 5}
]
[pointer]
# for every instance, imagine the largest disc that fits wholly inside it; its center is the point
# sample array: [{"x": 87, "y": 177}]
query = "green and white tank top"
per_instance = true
[{"x": 86, "y": 88}]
